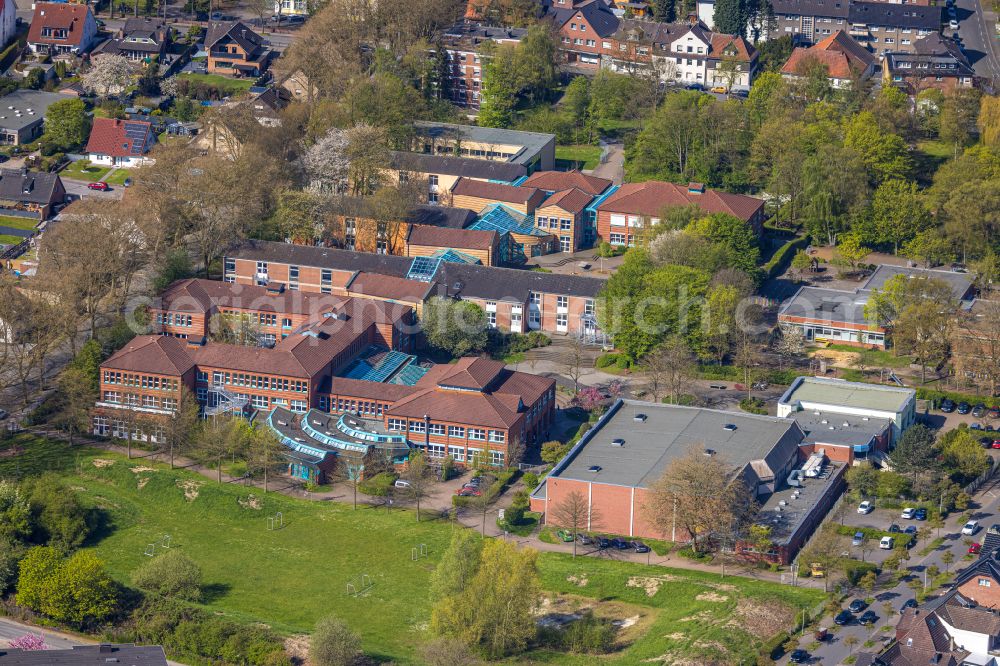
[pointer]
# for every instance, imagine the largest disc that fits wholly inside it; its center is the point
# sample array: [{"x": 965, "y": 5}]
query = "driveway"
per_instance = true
[
  {"x": 77, "y": 189},
  {"x": 986, "y": 509}
]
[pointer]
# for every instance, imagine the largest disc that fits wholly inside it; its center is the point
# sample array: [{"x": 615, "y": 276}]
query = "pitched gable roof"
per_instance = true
[
  {"x": 842, "y": 56},
  {"x": 156, "y": 354},
  {"x": 460, "y": 239},
  {"x": 650, "y": 197},
  {"x": 595, "y": 12},
  {"x": 120, "y": 138},
  {"x": 58, "y": 15},
  {"x": 238, "y": 31},
  {"x": 554, "y": 181},
  {"x": 571, "y": 200},
  {"x": 31, "y": 186},
  {"x": 475, "y": 373},
  {"x": 493, "y": 191}
]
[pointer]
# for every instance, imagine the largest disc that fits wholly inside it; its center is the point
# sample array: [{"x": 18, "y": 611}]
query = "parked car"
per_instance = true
[
  {"x": 468, "y": 492},
  {"x": 996, "y": 444},
  {"x": 894, "y": 528},
  {"x": 908, "y": 513},
  {"x": 799, "y": 656},
  {"x": 127, "y": 182},
  {"x": 859, "y": 538},
  {"x": 947, "y": 405},
  {"x": 910, "y": 529},
  {"x": 964, "y": 407},
  {"x": 721, "y": 90},
  {"x": 910, "y": 603},
  {"x": 868, "y": 617},
  {"x": 866, "y": 507},
  {"x": 694, "y": 86},
  {"x": 843, "y": 617},
  {"x": 975, "y": 548},
  {"x": 400, "y": 483},
  {"x": 603, "y": 542},
  {"x": 857, "y": 606},
  {"x": 584, "y": 540},
  {"x": 99, "y": 185},
  {"x": 993, "y": 413},
  {"x": 639, "y": 546},
  {"x": 979, "y": 410},
  {"x": 970, "y": 528},
  {"x": 619, "y": 544},
  {"x": 887, "y": 543},
  {"x": 921, "y": 514},
  {"x": 563, "y": 535},
  {"x": 987, "y": 442}
]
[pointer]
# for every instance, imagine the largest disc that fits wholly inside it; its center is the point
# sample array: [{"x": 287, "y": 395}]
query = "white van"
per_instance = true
[{"x": 887, "y": 543}]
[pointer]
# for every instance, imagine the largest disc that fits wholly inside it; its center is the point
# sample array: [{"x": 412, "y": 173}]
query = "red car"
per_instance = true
[
  {"x": 975, "y": 548},
  {"x": 468, "y": 492},
  {"x": 996, "y": 443},
  {"x": 99, "y": 185}
]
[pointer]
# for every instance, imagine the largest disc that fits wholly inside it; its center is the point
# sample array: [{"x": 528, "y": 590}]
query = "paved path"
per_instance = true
[
  {"x": 614, "y": 167},
  {"x": 11, "y": 629}
]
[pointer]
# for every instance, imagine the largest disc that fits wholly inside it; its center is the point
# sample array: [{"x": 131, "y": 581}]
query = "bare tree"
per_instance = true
[
  {"x": 671, "y": 368},
  {"x": 418, "y": 479},
  {"x": 264, "y": 451},
  {"x": 181, "y": 427},
  {"x": 573, "y": 512},
  {"x": 573, "y": 361}
]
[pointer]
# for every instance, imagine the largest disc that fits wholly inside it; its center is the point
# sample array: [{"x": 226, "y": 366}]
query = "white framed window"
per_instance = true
[
  {"x": 498, "y": 436},
  {"x": 496, "y": 457},
  {"x": 477, "y": 434},
  {"x": 437, "y": 428},
  {"x": 457, "y": 453},
  {"x": 397, "y": 425},
  {"x": 417, "y": 426},
  {"x": 456, "y": 431},
  {"x": 561, "y": 323},
  {"x": 491, "y": 319}
]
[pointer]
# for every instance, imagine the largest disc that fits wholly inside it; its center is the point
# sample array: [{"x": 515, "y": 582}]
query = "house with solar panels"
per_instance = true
[{"x": 120, "y": 143}]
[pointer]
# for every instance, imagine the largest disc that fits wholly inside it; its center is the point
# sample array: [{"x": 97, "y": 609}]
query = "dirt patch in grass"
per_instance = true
[
  {"x": 651, "y": 584},
  {"x": 251, "y": 502},
  {"x": 837, "y": 358},
  {"x": 761, "y": 618},
  {"x": 712, "y": 596},
  {"x": 190, "y": 489},
  {"x": 579, "y": 581},
  {"x": 140, "y": 469},
  {"x": 101, "y": 463},
  {"x": 142, "y": 482},
  {"x": 297, "y": 647},
  {"x": 676, "y": 636},
  {"x": 700, "y": 616}
]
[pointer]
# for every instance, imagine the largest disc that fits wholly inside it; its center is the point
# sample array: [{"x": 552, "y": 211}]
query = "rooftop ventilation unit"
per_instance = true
[
  {"x": 641, "y": 418},
  {"x": 618, "y": 442},
  {"x": 729, "y": 426}
]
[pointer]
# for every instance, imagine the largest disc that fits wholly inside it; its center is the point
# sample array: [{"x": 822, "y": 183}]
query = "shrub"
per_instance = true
[
  {"x": 76, "y": 590},
  {"x": 531, "y": 480},
  {"x": 333, "y": 643},
  {"x": 590, "y": 635},
  {"x": 623, "y": 362},
  {"x": 781, "y": 259},
  {"x": 753, "y": 406},
  {"x": 60, "y": 519},
  {"x": 171, "y": 574},
  {"x": 606, "y": 360},
  {"x": 378, "y": 485}
]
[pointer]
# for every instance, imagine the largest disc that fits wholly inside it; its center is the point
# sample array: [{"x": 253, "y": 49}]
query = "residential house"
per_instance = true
[
  {"x": 463, "y": 43},
  {"x": 514, "y": 300},
  {"x": 582, "y": 30},
  {"x": 621, "y": 216},
  {"x": 33, "y": 194},
  {"x": 86, "y": 655},
  {"x": 879, "y": 26},
  {"x": 58, "y": 27},
  {"x": 8, "y": 22},
  {"x": 266, "y": 106},
  {"x": 22, "y": 115},
  {"x": 837, "y": 315},
  {"x": 684, "y": 52},
  {"x": 936, "y": 62},
  {"x": 532, "y": 150},
  {"x": 121, "y": 143},
  {"x": 616, "y": 462},
  {"x": 443, "y": 171},
  {"x": 846, "y": 61},
  {"x": 295, "y": 82},
  {"x": 235, "y": 50},
  {"x": 140, "y": 39}
]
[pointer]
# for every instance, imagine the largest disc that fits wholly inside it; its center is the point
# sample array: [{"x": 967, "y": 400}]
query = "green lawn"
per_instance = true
[
  {"x": 229, "y": 86},
  {"x": 7, "y": 239},
  {"x": 580, "y": 156},
  {"x": 288, "y": 578},
  {"x": 118, "y": 177},
  {"x": 84, "y": 170},
  {"x": 875, "y": 358},
  {"x": 18, "y": 222}
]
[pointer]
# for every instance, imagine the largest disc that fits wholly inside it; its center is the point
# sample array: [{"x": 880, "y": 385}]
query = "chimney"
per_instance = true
[{"x": 696, "y": 188}]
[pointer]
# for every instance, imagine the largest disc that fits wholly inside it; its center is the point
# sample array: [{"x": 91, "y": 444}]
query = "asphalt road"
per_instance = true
[
  {"x": 978, "y": 39},
  {"x": 9, "y": 630},
  {"x": 987, "y": 511}
]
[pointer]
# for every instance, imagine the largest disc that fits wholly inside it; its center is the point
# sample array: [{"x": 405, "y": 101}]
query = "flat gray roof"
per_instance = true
[
  {"x": 14, "y": 107},
  {"x": 837, "y": 429},
  {"x": 857, "y": 395},
  {"x": 669, "y": 432},
  {"x": 785, "y": 523},
  {"x": 959, "y": 282},
  {"x": 832, "y": 305},
  {"x": 531, "y": 142}
]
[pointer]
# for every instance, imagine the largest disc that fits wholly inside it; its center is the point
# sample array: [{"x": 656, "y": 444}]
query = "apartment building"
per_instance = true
[
  {"x": 514, "y": 300},
  {"x": 533, "y": 150},
  {"x": 936, "y": 62},
  {"x": 582, "y": 29},
  {"x": 463, "y": 43},
  {"x": 683, "y": 52},
  {"x": 622, "y": 216}
]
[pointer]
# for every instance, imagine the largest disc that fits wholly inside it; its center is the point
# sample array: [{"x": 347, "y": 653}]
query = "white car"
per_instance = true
[
  {"x": 400, "y": 483},
  {"x": 887, "y": 543},
  {"x": 970, "y": 528},
  {"x": 908, "y": 513},
  {"x": 866, "y": 507},
  {"x": 953, "y": 24}
]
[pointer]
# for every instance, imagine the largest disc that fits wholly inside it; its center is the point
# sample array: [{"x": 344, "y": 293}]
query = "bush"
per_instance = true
[
  {"x": 333, "y": 643},
  {"x": 781, "y": 259},
  {"x": 855, "y": 570},
  {"x": 172, "y": 574},
  {"x": 589, "y": 635},
  {"x": 623, "y": 362},
  {"x": 753, "y": 406},
  {"x": 531, "y": 480},
  {"x": 378, "y": 485},
  {"x": 176, "y": 266},
  {"x": 60, "y": 520}
]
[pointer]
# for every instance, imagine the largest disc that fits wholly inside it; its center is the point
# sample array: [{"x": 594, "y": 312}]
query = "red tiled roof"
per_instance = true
[
  {"x": 460, "y": 239},
  {"x": 108, "y": 137},
  {"x": 493, "y": 191},
  {"x": 839, "y": 52},
  {"x": 651, "y": 197},
  {"x": 721, "y": 41},
  {"x": 387, "y": 286},
  {"x": 475, "y": 373},
  {"x": 58, "y": 15},
  {"x": 554, "y": 181},
  {"x": 572, "y": 200},
  {"x": 198, "y": 295},
  {"x": 155, "y": 354}
]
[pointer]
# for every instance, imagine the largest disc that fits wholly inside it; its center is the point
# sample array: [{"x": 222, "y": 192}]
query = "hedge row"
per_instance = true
[
  {"x": 503, "y": 479},
  {"x": 733, "y": 374},
  {"x": 783, "y": 257}
]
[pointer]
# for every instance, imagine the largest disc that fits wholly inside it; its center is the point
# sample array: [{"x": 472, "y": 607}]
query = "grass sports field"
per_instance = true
[{"x": 290, "y": 577}]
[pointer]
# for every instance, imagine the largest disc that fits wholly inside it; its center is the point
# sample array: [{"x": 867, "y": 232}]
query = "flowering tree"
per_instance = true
[
  {"x": 326, "y": 163},
  {"x": 169, "y": 87},
  {"x": 29, "y": 642},
  {"x": 108, "y": 74},
  {"x": 588, "y": 398}
]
